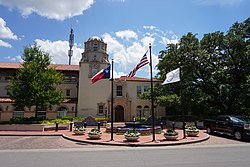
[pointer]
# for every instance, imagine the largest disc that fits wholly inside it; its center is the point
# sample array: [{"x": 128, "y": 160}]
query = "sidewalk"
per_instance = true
[{"x": 119, "y": 140}]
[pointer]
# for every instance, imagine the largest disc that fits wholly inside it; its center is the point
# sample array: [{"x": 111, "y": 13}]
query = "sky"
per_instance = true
[{"x": 127, "y": 26}]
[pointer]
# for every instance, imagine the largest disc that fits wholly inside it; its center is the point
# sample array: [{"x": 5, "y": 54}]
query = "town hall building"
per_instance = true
[{"x": 83, "y": 98}]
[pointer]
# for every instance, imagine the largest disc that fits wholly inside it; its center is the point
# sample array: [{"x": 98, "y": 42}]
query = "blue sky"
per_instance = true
[{"x": 127, "y": 26}]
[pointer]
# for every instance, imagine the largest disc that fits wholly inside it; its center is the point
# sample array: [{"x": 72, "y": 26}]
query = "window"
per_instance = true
[
  {"x": 146, "y": 111},
  {"x": 100, "y": 109},
  {"x": 119, "y": 91},
  {"x": 61, "y": 112},
  {"x": 138, "y": 90},
  {"x": 93, "y": 71},
  {"x": 95, "y": 47},
  {"x": 146, "y": 88},
  {"x": 18, "y": 114},
  {"x": 139, "y": 111},
  {"x": 67, "y": 92}
]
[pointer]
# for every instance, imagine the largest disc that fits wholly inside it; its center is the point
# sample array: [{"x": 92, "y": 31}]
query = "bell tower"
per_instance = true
[{"x": 94, "y": 58}]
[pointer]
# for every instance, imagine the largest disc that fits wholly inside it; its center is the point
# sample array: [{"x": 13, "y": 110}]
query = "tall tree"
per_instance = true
[
  {"x": 215, "y": 72},
  {"x": 35, "y": 83}
]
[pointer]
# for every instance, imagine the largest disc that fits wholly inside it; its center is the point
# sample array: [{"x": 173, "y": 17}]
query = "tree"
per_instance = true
[
  {"x": 215, "y": 72},
  {"x": 35, "y": 83}
]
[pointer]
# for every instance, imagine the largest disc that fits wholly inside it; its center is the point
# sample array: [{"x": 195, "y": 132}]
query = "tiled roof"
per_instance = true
[
  {"x": 60, "y": 67},
  {"x": 11, "y": 65},
  {"x": 137, "y": 79},
  {"x": 8, "y": 100}
]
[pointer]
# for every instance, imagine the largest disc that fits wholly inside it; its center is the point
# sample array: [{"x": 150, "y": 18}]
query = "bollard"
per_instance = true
[
  {"x": 99, "y": 125},
  {"x": 70, "y": 126},
  {"x": 184, "y": 130},
  {"x": 161, "y": 126},
  {"x": 85, "y": 124},
  {"x": 195, "y": 123},
  {"x": 173, "y": 124},
  {"x": 56, "y": 126}
]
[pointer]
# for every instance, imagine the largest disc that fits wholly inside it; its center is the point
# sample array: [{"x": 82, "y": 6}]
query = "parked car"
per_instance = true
[{"x": 237, "y": 126}]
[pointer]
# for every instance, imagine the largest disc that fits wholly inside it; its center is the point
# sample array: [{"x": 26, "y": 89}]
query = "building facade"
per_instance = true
[{"x": 83, "y": 98}]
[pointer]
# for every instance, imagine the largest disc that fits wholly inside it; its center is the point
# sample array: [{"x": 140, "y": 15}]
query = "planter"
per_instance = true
[
  {"x": 132, "y": 138},
  {"x": 79, "y": 132},
  {"x": 95, "y": 136},
  {"x": 171, "y": 137},
  {"x": 192, "y": 134}
]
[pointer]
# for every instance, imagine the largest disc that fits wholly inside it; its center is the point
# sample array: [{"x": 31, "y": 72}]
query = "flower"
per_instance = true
[
  {"x": 79, "y": 128},
  {"x": 132, "y": 133},
  {"x": 95, "y": 131},
  {"x": 170, "y": 132},
  {"x": 191, "y": 129}
]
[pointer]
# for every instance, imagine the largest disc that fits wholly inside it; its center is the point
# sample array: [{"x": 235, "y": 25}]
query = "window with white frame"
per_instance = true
[
  {"x": 61, "y": 112},
  {"x": 101, "y": 109},
  {"x": 138, "y": 90},
  {"x": 119, "y": 91},
  {"x": 68, "y": 92}
]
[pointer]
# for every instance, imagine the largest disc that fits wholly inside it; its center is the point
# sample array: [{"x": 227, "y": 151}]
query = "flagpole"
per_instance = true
[
  {"x": 182, "y": 111},
  {"x": 112, "y": 101},
  {"x": 152, "y": 94}
]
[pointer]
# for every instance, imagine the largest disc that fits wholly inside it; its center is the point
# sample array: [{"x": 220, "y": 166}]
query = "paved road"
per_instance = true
[
  {"x": 56, "y": 142},
  {"x": 170, "y": 156}
]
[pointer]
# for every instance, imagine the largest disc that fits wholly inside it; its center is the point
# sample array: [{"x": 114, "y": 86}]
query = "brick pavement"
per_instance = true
[{"x": 119, "y": 140}]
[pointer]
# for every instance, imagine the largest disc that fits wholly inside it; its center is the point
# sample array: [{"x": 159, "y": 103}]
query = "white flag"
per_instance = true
[{"x": 172, "y": 76}]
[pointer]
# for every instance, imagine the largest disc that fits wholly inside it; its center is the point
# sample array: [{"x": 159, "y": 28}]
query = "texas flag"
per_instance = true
[{"x": 104, "y": 73}]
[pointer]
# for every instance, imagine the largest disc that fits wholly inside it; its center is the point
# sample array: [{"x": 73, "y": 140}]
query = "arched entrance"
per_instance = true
[{"x": 119, "y": 114}]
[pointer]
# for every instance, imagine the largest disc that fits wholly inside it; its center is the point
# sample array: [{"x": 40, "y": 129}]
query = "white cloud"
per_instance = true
[
  {"x": 149, "y": 27},
  {"x": 126, "y": 57},
  {"x": 58, "y": 10},
  {"x": 166, "y": 41},
  {"x": 216, "y": 2},
  {"x": 127, "y": 34},
  {"x": 5, "y": 44},
  {"x": 58, "y": 51},
  {"x": 5, "y": 31}
]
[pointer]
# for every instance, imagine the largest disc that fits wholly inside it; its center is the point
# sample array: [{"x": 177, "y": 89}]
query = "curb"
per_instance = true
[{"x": 136, "y": 145}]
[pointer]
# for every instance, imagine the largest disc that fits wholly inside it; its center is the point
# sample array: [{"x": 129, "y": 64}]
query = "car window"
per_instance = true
[
  {"x": 235, "y": 119},
  {"x": 222, "y": 118}
]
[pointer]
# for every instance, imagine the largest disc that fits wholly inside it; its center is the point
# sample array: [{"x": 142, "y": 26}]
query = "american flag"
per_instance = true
[{"x": 142, "y": 63}]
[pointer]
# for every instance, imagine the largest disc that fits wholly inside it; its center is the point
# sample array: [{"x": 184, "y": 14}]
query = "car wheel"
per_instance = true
[
  {"x": 209, "y": 130},
  {"x": 238, "y": 135}
]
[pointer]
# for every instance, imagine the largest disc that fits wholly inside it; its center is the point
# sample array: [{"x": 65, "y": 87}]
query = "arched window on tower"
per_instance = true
[{"x": 95, "y": 47}]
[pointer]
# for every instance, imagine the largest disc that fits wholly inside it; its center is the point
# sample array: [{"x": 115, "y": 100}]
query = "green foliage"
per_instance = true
[
  {"x": 24, "y": 120},
  {"x": 101, "y": 119},
  {"x": 95, "y": 131},
  {"x": 191, "y": 129},
  {"x": 132, "y": 133},
  {"x": 35, "y": 83},
  {"x": 171, "y": 132},
  {"x": 79, "y": 128},
  {"x": 215, "y": 73}
]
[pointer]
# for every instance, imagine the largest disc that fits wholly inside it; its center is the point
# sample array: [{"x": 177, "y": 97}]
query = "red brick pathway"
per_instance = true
[{"x": 118, "y": 139}]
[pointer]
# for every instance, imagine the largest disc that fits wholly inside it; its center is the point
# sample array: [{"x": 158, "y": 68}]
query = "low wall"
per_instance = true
[{"x": 32, "y": 127}]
